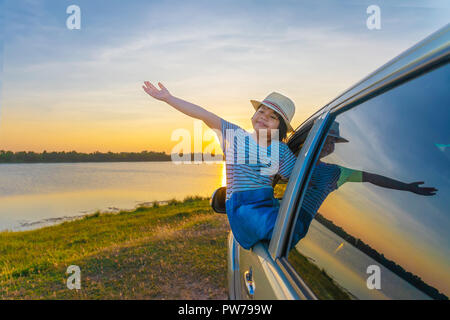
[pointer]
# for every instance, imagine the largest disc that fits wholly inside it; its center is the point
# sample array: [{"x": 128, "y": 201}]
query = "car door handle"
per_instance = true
[{"x": 249, "y": 283}]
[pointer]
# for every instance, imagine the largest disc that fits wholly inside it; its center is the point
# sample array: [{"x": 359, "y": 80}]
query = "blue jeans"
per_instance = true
[{"x": 252, "y": 215}]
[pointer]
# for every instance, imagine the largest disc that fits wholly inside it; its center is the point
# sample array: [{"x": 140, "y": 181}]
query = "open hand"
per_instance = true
[
  {"x": 424, "y": 191},
  {"x": 151, "y": 90}
]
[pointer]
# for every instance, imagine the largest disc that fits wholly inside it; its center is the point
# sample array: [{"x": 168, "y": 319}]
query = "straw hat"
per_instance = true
[
  {"x": 334, "y": 132},
  {"x": 280, "y": 104}
]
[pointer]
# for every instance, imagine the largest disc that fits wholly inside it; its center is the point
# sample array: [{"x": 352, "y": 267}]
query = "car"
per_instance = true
[{"x": 364, "y": 214}]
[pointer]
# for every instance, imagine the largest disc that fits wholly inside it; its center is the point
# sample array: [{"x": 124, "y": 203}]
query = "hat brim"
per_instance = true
[
  {"x": 339, "y": 139},
  {"x": 256, "y": 105}
]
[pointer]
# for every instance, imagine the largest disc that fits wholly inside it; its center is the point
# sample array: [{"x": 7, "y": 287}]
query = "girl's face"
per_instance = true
[{"x": 265, "y": 118}]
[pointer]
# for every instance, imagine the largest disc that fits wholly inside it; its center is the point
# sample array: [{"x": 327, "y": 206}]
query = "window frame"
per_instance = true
[{"x": 294, "y": 193}]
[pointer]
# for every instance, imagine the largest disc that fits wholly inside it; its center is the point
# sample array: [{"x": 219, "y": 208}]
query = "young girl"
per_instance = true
[{"x": 252, "y": 160}]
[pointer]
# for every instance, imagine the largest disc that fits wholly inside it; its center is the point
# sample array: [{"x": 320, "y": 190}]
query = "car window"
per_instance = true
[
  {"x": 295, "y": 143},
  {"x": 374, "y": 219}
]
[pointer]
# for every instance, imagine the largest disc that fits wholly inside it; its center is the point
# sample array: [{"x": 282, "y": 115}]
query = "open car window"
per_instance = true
[{"x": 295, "y": 143}]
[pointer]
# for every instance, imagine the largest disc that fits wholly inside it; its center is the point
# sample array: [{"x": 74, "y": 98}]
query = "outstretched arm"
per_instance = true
[
  {"x": 190, "y": 109},
  {"x": 386, "y": 182}
]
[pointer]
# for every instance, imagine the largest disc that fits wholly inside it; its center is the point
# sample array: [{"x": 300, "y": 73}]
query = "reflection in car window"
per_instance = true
[
  {"x": 295, "y": 144},
  {"x": 374, "y": 220}
]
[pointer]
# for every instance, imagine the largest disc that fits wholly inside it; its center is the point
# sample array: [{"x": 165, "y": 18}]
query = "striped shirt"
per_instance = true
[
  {"x": 325, "y": 179},
  {"x": 250, "y": 166}
]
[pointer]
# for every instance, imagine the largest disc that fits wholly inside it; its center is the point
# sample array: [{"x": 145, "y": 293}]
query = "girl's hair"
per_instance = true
[{"x": 282, "y": 128}]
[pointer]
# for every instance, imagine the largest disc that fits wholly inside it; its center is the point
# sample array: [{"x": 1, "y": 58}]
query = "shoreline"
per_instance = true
[{"x": 121, "y": 161}]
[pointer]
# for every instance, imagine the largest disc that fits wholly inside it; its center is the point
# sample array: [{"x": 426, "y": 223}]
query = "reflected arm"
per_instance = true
[{"x": 389, "y": 183}]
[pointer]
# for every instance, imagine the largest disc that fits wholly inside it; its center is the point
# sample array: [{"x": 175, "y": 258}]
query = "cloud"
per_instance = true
[{"x": 218, "y": 53}]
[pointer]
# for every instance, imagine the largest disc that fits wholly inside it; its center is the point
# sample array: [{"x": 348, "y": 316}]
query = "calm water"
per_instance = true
[{"x": 34, "y": 195}]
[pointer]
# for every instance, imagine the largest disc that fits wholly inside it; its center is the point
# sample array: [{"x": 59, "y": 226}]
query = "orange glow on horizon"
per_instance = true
[
  {"x": 113, "y": 129},
  {"x": 395, "y": 245}
]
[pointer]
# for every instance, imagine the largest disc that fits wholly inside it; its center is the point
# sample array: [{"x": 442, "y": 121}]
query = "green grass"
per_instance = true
[{"x": 174, "y": 251}]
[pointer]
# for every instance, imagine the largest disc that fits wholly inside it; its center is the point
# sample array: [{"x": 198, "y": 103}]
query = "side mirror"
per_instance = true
[{"x": 217, "y": 201}]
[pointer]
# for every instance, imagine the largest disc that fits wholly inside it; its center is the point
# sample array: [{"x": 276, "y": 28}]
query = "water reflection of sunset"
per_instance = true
[
  {"x": 56, "y": 190},
  {"x": 397, "y": 244}
]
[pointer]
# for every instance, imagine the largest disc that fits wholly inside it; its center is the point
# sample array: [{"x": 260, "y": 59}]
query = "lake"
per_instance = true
[{"x": 40, "y": 194}]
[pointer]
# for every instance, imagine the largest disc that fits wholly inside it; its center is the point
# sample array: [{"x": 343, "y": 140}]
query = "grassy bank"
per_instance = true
[{"x": 176, "y": 251}]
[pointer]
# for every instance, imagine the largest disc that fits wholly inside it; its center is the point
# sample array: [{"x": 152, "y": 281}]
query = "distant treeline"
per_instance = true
[
  {"x": 379, "y": 257},
  {"x": 73, "y": 156}
]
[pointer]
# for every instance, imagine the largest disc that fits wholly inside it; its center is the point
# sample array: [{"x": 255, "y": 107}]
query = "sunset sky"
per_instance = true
[
  {"x": 81, "y": 90},
  {"x": 64, "y": 90}
]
